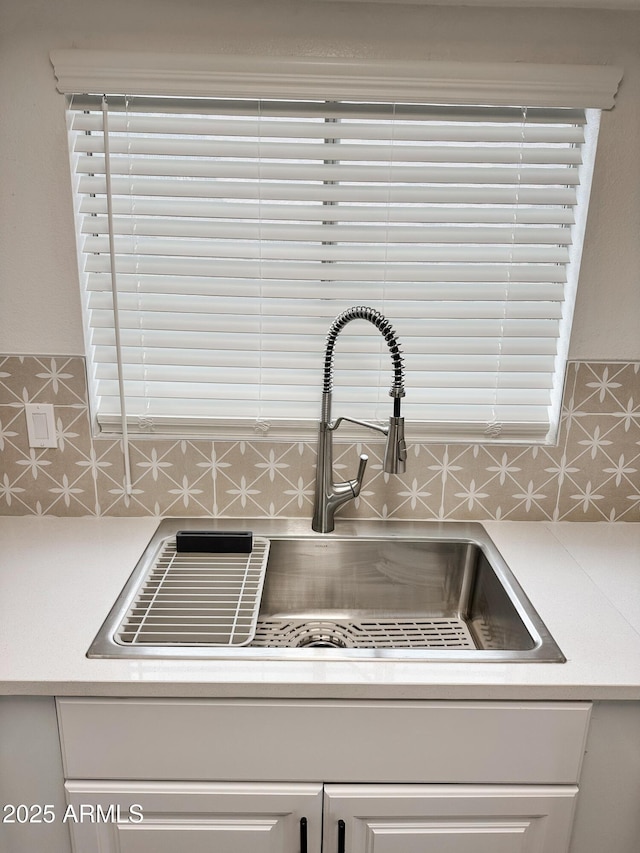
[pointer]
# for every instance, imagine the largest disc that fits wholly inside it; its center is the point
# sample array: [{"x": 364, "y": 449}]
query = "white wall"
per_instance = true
[{"x": 39, "y": 299}]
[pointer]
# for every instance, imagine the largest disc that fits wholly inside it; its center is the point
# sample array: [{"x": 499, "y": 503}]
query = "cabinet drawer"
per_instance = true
[{"x": 306, "y": 740}]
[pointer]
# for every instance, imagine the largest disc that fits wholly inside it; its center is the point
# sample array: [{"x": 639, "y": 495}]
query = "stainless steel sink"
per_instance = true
[{"x": 438, "y": 592}]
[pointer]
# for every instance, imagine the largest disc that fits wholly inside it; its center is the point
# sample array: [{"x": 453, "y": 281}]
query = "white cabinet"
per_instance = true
[
  {"x": 266, "y": 818},
  {"x": 447, "y": 819},
  {"x": 145, "y": 817},
  {"x": 367, "y": 777}
]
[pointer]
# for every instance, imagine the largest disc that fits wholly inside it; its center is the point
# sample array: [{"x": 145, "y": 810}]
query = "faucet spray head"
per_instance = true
[{"x": 395, "y": 452}]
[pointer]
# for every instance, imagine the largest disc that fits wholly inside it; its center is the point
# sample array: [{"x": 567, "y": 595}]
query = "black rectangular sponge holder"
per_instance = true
[{"x": 214, "y": 542}]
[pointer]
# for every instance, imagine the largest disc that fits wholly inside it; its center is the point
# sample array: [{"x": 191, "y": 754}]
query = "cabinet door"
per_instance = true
[
  {"x": 447, "y": 819},
  {"x": 147, "y": 817}
]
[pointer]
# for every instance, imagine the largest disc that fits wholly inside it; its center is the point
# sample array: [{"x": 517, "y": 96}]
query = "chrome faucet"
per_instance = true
[{"x": 329, "y": 496}]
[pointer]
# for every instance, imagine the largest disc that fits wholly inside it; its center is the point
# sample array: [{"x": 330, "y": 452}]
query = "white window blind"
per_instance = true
[{"x": 234, "y": 231}]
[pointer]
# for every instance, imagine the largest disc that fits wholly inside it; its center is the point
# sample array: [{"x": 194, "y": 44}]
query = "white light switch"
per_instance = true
[{"x": 41, "y": 426}]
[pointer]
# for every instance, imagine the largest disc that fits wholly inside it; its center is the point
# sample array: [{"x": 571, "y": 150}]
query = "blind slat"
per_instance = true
[
  {"x": 400, "y": 131},
  {"x": 526, "y": 422},
  {"x": 518, "y": 372},
  {"x": 264, "y": 251},
  {"x": 371, "y": 233},
  {"x": 131, "y": 317},
  {"x": 302, "y": 172},
  {"x": 275, "y": 391},
  {"x": 233, "y": 327},
  {"x": 229, "y": 210},
  {"x": 277, "y": 350},
  {"x": 263, "y": 269},
  {"x": 205, "y": 362},
  {"x": 188, "y": 287},
  {"x": 253, "y": 151},
  {"x": 133, "y": 187}
]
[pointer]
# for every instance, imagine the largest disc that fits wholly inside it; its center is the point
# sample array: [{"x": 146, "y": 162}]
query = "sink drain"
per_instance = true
[{"x": 321, "y": 640}]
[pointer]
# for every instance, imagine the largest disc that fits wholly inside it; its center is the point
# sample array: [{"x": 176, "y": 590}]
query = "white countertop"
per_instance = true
[{"x": 59, "y": 578}]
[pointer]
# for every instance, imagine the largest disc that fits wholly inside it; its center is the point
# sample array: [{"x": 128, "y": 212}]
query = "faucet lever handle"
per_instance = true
[{"x": 356, "y": 484}]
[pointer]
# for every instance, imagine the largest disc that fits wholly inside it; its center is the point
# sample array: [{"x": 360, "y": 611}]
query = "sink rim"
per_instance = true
[{"x": 544, "y": 650}]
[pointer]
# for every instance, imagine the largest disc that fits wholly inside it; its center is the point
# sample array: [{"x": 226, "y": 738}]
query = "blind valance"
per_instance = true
[{"x": 332, "y": 78}]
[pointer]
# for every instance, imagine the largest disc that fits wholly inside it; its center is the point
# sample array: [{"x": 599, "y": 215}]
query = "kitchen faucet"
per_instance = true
[{"x": 329, "y": 496}]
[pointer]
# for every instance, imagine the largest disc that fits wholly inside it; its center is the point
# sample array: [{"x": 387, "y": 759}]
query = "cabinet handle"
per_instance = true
[
  {"x": 341, "y": 836},
  {"x": 303, "y": 835}
]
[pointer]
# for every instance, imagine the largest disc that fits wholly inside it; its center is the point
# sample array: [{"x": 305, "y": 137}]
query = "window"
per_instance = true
[{"x": 219, "y": 237}]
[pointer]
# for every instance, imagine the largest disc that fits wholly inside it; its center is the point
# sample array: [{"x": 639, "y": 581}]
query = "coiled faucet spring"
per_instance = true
[{"x": 361, "y": 312}]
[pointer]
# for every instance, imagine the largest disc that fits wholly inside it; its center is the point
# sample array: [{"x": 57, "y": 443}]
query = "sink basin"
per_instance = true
[{"x": 444, "y": 594}]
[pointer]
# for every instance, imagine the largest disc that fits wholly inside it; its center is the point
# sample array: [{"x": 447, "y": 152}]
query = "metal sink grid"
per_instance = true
[{"x": 364, "y": 634}]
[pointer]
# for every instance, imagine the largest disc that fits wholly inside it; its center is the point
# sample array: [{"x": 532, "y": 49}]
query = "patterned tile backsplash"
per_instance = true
[{"x": 593, "y": 474}]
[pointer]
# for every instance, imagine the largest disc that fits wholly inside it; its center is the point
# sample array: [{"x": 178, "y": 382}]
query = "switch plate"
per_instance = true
[{"x": 41, "y": 427}]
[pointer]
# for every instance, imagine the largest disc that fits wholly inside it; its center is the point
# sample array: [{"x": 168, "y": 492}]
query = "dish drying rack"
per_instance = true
[{"x": 203, "y": 588}]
